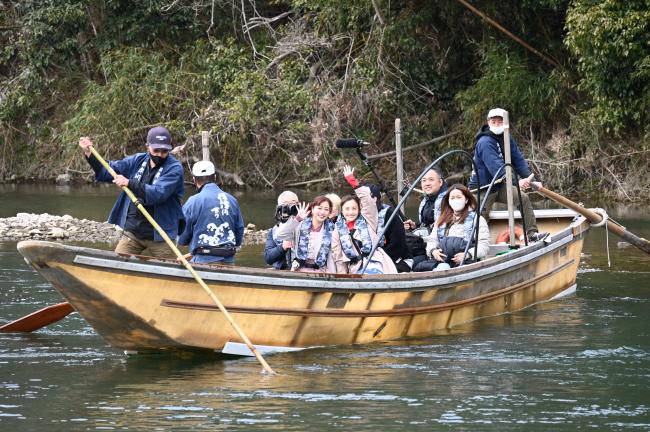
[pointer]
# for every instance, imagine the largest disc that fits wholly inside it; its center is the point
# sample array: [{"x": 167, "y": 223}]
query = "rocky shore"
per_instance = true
[{"x": 29, "y": 226}]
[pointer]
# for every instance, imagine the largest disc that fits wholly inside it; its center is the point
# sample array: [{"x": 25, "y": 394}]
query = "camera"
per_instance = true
[{"x": 284, "y": 212}]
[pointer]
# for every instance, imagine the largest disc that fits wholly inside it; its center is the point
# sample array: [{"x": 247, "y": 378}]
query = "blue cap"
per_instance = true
[{"x": 159, "y": 138}]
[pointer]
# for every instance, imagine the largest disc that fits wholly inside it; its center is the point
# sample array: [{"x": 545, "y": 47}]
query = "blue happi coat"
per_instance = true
[
  {"x": 163, "y": 194},
  {"x": 212, "y": 218}
]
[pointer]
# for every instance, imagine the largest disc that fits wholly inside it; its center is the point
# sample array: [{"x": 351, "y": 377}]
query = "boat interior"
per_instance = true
[{"x": 548, "y": 220}]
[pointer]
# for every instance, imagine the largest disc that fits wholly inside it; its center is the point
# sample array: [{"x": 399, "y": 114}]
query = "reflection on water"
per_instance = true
[{"x": 577, "y": 363}]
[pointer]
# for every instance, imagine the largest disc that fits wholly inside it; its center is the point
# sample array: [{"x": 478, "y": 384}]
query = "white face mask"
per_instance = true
[
  {"x": 457, "y": 204},
  {"x": 497, "y": 130}
]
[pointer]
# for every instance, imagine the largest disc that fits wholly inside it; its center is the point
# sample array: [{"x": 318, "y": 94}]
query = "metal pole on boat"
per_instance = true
[
  {"x": 506, "y": 146},
  {"x": 187, "y": 265},
  {"x": 205, "y": 145},
  {"x": 398, "y": 156}
]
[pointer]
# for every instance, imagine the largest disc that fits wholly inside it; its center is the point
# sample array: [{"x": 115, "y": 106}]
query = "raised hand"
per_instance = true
[
  {"x": 303, "y": 211},
  {"x": 85, "y": 143},
  {"x": 348, "y": 171}
]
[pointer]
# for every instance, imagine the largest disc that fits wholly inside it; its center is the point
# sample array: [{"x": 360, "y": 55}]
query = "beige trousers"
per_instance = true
[
  {"x": 131, "y": 245},
  {"x": 501, "y": 196}
]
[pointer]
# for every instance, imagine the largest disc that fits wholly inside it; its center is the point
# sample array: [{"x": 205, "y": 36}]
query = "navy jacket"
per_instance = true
[
  {"x": 212, "y": 218},
  {"x": 164, "y": 194},
  {"x": 274, "y": 254},
  {"x": 488, "y": 157}
]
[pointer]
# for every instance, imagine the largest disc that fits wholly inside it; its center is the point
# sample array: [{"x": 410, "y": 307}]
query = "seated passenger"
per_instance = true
[
  {"x": 453, "y": 230},
  {"x": 435, "y": 188},
  {"x": 394, "y": 241},
  {"x": 356, "y": 232},
  {"x": 277, "y": 253},
  {"x": 311, "y": 233}
]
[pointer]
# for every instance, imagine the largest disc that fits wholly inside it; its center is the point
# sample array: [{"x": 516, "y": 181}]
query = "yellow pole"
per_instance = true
[{"x": 187, "y": 265}]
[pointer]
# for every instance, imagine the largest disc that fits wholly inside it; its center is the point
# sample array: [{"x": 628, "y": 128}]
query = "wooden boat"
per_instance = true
[{"x": 142, "y": 305}]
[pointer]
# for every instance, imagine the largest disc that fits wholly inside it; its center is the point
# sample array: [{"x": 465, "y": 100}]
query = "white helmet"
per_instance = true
[{"x": 203, "y": 168}]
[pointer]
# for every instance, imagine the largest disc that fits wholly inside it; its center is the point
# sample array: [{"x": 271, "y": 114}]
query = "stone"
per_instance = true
[{"x": 63, "y": 179}]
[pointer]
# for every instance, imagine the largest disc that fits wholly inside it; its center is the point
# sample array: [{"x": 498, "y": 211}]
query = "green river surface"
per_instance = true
[{"x": 581, "y": 362}]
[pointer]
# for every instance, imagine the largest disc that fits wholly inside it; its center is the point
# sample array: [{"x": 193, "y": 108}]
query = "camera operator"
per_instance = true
[{"x": 277, "y": 252}]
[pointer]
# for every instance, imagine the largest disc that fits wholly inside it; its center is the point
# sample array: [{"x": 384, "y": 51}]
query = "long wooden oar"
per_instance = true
[
  {"x": 36, "y": 320},
  {"x": 594, "y": 217},
  {"x": 187, "y": 265}
]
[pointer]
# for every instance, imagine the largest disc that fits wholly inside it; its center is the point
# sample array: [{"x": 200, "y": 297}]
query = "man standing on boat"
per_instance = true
[
  {"x": 488, "y": 157},
  {"x": 214, "y": 224},
  {"x": 156, "y": 178}
]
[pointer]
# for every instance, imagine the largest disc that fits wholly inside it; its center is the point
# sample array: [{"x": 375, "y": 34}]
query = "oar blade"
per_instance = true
[{"x": 39, "y": 319}]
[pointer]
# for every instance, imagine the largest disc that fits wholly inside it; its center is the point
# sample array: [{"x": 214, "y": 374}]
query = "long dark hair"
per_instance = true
[{"x": 447, "y": 213}]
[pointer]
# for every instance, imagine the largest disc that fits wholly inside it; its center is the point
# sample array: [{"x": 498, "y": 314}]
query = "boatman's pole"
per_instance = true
[
  {"x": 187, "y": 265},
  {"x": 205, "y": 145},
  {"x": 506, "y": 145},
  {"x": 398, "y": 157}
]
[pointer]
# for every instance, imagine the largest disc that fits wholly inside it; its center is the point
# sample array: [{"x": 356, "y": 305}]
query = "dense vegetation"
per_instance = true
[{"x": 276, "y": 82}]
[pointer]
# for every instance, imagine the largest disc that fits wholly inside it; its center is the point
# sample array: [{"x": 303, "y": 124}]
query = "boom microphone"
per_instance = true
[{"x": 350, "y": 143}]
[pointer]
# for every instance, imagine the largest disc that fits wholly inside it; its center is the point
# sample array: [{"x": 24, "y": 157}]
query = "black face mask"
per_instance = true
[{"x": 157, "y": 160}]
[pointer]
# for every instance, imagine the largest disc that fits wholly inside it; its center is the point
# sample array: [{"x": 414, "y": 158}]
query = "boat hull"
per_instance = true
[{"x": 140, "y": 305}]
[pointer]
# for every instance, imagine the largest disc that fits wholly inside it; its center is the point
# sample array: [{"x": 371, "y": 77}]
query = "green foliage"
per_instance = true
[
  {"x": 275, "y": 94},
  {"x": 143, "y": 88},
  {"x": 610, "y": 41},
  {"x": 532, "y": 97}
]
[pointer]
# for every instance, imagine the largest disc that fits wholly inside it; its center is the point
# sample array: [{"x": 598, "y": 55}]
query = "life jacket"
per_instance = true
[
  {"x": 347, "y": 242},
  {"x": 325, "y": 246},
  {"x": 381, "y": 219},
  {"x": 468, "y": 224},
  {"x": 436, "y": 205}
]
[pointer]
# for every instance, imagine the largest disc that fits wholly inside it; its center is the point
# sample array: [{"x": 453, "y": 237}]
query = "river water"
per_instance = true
[{"x": 576, "y": 363}]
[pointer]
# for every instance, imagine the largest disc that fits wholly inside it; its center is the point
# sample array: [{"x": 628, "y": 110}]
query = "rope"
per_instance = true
[{"x": 605, "y": 217}]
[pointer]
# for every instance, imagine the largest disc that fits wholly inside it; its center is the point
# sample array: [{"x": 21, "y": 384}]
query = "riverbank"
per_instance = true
[{"x": 31, "y": 226}]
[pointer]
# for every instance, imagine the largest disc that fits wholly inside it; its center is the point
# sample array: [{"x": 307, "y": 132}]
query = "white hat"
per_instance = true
[
  {"x": 287, "y": 196},
  {"x": 496, "y": 112},
  {"x": 203, "y": 168}
]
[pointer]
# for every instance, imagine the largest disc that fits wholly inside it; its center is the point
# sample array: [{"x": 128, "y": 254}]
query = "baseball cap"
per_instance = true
[
  {"x": 203, "y": 168},
  {"x": 496, "y": 112},
  {"x": 159, "y": 138}
]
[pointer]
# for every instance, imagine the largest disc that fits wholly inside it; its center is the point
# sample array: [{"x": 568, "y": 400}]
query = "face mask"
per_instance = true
[
  {"x": 497, "y": 130},
  {"x": 457, "y": 204},
  {"x": 157, "y": 160}
]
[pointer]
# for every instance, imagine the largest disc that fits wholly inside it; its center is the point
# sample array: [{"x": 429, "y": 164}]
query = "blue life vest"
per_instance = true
[
  {"x": 325, "y": 246},
  {"x": 346, "y": 239},
  {"x": 468, "y": 225}
]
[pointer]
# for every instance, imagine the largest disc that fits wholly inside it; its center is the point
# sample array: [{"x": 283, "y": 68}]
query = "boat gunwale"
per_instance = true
[{"x": 249, "y": 277}]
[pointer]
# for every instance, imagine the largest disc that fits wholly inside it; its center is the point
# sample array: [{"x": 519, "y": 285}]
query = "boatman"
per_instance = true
[
  {"x": 156, "y": 179},
  {"x": 214, "y": 225},
  {"x": 488, "y": 158}
]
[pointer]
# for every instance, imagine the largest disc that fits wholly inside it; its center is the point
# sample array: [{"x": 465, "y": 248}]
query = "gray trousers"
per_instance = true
[{"x": 501, "y": 196}]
